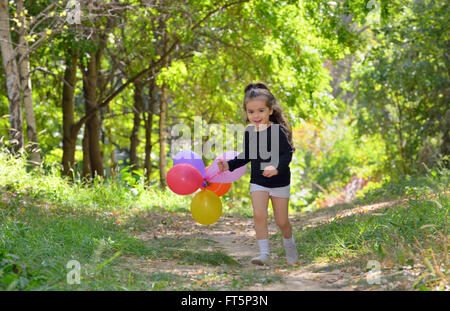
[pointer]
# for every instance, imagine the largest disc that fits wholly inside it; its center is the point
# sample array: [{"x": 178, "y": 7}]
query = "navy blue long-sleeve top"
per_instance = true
[{"x": 257, "y": 149}]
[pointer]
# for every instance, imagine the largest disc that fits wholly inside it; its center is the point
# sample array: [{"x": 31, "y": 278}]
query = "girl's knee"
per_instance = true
[
  {"x": 259, "y": 216},
  {"x": 283, "y": 223}
]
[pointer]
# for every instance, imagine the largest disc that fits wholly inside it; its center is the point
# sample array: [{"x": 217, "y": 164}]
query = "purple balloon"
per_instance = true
[
  {"x": 192, "y": 158},
  {"x": 214, "y": 175}
]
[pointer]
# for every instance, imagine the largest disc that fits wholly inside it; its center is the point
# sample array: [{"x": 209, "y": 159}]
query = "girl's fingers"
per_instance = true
[
  {"x": 269, "y": 173},
  {"x": 221, "y": 164}
]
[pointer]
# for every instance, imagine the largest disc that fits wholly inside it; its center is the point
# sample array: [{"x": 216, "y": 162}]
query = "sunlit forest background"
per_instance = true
[{"x": 91, "y": 89}]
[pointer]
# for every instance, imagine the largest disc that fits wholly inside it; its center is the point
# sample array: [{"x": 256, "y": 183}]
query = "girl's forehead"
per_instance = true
[{"x": 256, "y": 103}]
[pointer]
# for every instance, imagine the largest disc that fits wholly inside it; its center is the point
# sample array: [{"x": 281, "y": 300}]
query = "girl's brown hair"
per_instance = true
[{"x": 253, "y": 90}]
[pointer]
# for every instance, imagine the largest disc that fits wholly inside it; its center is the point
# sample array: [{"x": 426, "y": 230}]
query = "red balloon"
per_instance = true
[{"x": 184, "y": 179}]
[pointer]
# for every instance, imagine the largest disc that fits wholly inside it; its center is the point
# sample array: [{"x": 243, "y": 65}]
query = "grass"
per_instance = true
[
  {"x": 411, "y": 232},
  {"x": 46, "y": 221},
  {"x": 37, "y": 243}
]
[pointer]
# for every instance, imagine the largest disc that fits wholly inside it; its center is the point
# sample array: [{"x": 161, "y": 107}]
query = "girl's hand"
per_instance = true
[
  {"x": 223, "y": 165},
  {"x": 270, "y": 171}
]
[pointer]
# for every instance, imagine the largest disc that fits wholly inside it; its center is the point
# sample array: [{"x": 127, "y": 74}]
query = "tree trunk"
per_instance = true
[
  {"x": 137, "y": 110},
  {"x": 92, "y": 156},
  {"x": 68, "y": 105},
  {"x": 445, "y": 147},
  {"x": 162, "y": 137},
  {"x": 112, "y": 158},
  {"x": 25, "y": 83},
  {"x": 12, "y": 79},
  {"x": 399, "y": 128},
  {"x": 163, "y": 119},
  {"x": 87, "y": 167},
  {"x": 148, "y": 128}
]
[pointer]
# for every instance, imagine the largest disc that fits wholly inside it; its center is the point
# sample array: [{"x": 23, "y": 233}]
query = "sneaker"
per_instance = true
[
  {"x": 291, "y": 254},
  {"x": 260, "y": 260}
]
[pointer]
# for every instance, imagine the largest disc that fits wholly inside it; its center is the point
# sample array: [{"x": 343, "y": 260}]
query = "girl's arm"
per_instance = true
[
  {"x": 286, "y": 152},
  {"x": 242, "y": 158}
]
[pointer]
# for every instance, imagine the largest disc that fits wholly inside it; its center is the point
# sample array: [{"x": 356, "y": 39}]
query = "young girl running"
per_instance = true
[{"x": 268, "y": 146}]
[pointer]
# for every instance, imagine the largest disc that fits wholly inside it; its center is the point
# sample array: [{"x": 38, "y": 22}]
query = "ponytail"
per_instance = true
[{"x": 259, "y": 89}]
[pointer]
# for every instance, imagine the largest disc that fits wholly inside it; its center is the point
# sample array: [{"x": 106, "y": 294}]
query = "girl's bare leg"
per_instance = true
[
  {"x": 260, "y": 202},
  {"x": 280, "y": 212}
]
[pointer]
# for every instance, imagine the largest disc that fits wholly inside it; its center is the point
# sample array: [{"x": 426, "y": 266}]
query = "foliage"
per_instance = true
[
  {"x": 402, "y": 86},
  {"x": 395, "y": 126},
  {"x": 407, "y": 232},
  {"x": 328, "y": 156},
  {"x": 389, "y": 127}
]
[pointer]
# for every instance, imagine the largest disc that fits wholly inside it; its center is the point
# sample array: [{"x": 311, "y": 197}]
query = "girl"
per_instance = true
[{"x": 268, "y": 180}]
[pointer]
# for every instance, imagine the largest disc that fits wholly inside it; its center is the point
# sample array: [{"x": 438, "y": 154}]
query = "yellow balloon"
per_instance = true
[{"x": 206, "y": 207}]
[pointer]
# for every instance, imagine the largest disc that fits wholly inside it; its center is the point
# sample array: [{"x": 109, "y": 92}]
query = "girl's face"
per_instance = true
[{"x": 258, "y": 113}]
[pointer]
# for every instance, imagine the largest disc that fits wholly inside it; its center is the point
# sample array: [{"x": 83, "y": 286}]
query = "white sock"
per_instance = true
[
  {"x": 291, "y": 250},
  {"x": 264, "y": 246},
  {"x": 289, "y": 242}
]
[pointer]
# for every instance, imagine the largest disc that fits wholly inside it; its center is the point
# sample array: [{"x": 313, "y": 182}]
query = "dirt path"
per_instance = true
[{"x": 235, "y": 236}]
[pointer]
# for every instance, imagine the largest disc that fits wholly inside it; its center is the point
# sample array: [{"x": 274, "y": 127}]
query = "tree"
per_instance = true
[
  {"x": 12, "y": 78},
  {"x": 404, "y": 84},
  {"x": 68, "y": 107},
  {"x": 25, "y": 84},
  {"x": 33, "y": 29}
]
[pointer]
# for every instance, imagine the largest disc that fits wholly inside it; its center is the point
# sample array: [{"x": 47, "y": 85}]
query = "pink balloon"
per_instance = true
[
  {"x": 184, "y": 179},
  {"x": 214, "y": 175}
]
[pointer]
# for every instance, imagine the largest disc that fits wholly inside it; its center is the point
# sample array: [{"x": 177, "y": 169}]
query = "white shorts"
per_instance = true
[{"x": 280, "y": 192}]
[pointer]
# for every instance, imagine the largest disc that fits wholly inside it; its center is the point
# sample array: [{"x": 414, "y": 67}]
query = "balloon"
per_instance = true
[
  {"x": 219, "y": 188},
  {"x": 214, "y": 175},
  {"x": 192, "y": 158},
  {"x": 184, "y": 179},
  {"x": 206, "y": 207}
]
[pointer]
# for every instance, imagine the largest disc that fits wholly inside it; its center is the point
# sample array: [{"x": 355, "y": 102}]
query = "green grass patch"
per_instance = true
[
  {"x": 47, "y": 221},
  {"x": 366, "y": 234},
  {"x": 411, "y": 232},
  {"x": 36, "y": 244}
]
